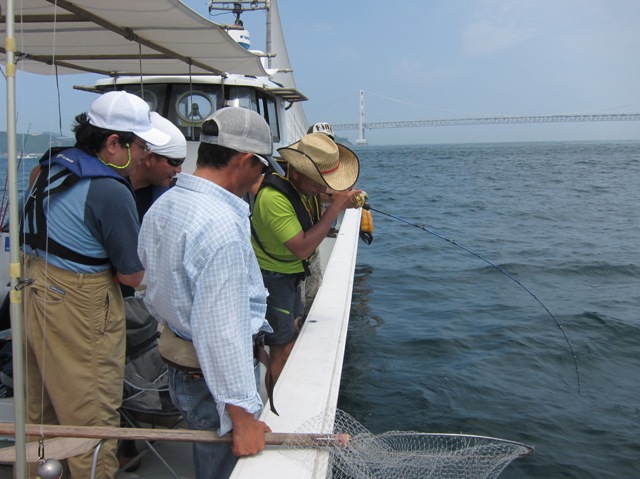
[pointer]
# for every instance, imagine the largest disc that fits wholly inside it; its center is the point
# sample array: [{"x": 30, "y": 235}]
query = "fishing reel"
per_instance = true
[{"x": 359, "y": 200}]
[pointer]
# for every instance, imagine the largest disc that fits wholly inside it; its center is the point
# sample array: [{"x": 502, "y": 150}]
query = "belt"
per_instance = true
[
  {"x": 173, "y": 348},
  {"x": 184, "y": 369}
]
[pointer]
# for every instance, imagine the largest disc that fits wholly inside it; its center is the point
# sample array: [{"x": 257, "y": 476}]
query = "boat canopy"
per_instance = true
[{"x": 123, "y": 37}]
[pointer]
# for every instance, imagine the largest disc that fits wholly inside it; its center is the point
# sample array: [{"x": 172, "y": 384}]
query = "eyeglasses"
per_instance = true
[{"x": 144, "y": 146}]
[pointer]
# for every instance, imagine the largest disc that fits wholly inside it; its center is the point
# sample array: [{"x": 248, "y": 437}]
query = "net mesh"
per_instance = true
[{"x": 402, "y": 454}]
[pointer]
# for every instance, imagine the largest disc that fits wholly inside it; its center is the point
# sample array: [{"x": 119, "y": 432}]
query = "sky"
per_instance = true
[{"x": 433, "y": 59}]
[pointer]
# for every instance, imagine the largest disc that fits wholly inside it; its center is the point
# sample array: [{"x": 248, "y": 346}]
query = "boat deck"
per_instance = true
[
  {"x": 309, "y": 384},
  {"x": 177, "y": 454}
]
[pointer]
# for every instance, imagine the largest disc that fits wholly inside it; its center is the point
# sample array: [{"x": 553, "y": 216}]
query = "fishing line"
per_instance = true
[{"x": 515, "y": 280}]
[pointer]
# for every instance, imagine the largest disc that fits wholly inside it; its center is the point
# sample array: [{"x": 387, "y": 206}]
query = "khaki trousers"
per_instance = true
[{"x": 75, "y": 331}]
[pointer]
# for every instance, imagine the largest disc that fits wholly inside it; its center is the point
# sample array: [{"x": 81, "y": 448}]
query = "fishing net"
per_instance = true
[{"x": 357, "y": 453}]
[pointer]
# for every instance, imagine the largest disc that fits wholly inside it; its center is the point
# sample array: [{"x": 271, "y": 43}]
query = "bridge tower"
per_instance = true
[{"x": 361, "y": 139}]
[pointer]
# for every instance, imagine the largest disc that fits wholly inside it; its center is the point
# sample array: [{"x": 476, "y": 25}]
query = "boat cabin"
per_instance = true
[{"x": 188, "y": 101}]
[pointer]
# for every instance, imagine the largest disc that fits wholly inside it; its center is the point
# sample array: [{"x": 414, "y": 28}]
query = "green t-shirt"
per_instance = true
[{"x": 275, "y": 222}]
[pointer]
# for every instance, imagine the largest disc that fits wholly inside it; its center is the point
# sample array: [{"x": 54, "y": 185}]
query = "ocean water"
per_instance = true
[{"x": 440, "y": 341}]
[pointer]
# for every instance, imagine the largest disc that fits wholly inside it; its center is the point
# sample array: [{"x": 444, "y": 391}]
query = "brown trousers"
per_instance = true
[{"x": 75, "y": 330}]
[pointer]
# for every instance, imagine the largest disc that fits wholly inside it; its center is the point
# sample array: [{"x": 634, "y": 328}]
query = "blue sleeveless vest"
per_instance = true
[{"x": 76, "y": 165}]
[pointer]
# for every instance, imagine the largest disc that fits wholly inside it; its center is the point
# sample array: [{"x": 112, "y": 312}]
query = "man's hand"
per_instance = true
[
  {"x": 248, "y": 433},
  {"x": 342, "y": 200}
]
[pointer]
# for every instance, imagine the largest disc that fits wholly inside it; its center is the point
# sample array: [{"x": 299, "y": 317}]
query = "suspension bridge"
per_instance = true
[{"x": 362, "y": 125}]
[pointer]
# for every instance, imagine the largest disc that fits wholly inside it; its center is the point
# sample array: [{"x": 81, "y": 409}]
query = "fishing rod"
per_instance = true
[{"x": 508, "y": 275}]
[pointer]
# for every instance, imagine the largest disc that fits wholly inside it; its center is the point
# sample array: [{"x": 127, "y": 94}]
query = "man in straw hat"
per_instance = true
[
  {"x": 287, "y": 227},
  {"x": 205, "y": 287},
  {"x": 309, "y": 287},
  {"x": 80, "y": 233}
]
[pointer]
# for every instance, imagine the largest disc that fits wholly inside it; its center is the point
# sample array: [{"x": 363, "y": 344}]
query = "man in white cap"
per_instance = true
[
  {"x": 287, "y": 228},
  {"x": 79, "y": 238},
  {"x": 159, "y": 165},
  {"x": 205, "y": 287},
  {"x": 322, "y": 127}
]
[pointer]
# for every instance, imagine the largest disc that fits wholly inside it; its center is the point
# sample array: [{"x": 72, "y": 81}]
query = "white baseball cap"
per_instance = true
[
  {"x": 122, "y": 111},
  {"x": 325, "y": 128},
  {"x": 176, "y": 147}
]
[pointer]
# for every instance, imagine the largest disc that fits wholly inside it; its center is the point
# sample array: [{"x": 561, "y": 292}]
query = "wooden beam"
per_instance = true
[{"x": 176, "y": 435}]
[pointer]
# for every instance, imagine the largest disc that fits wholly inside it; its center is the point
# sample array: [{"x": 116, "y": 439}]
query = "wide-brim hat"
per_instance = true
[{"x": 319, "y": 158}]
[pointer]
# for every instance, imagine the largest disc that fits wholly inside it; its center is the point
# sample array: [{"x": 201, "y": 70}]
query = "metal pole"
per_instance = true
[
  {"x": 268, "y": 32},
  {"x": 14, "y": 267},
  {"x": 362, "y": 140}
]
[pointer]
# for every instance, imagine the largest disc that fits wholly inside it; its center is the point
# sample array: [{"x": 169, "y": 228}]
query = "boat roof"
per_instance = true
[
  {"x": 123, "y": 37},
  {"x": 276, "y": 89}
]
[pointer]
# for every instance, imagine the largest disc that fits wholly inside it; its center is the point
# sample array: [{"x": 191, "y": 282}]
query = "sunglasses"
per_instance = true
[
  {"x": 265, "y": 168},
  {"x": 171, "y": 161}
]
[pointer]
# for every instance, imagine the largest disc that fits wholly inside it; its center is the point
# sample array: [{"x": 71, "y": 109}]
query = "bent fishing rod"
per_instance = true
[{"x": 493, "y": 265}]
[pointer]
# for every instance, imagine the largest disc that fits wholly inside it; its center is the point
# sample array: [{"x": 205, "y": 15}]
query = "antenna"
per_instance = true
[
  {"x": 238, "y": 7},
  {"x": 237, "y": 30}
]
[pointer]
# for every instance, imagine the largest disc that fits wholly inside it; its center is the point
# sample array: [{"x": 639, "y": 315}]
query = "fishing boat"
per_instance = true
[{"x": 186, "y": 67}]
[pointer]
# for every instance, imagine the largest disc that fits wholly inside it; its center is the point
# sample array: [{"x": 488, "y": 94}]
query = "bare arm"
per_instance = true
[
  {"x": 306, "y": 242},
  {"x": 248, "y": 433},
  {"x": 132, "y": 280}
]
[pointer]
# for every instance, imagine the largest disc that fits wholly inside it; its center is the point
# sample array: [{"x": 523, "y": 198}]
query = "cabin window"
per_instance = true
[
  {"x": 247, "y": 97},
  {"x": 192, "y": 105},
  {"x": 243, "y": 97},
  {"x": 154, "y": 95},
  {"x": 272, "y": 118}
]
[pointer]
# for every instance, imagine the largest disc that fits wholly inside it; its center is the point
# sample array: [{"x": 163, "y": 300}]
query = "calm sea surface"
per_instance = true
[{"x": 440, "y": 341}]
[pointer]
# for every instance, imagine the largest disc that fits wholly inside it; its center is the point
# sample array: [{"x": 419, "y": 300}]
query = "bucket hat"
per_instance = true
[
  {"x": 122, "y": 111},
  {"x": 245, "y": 131},
  {"x": 319, "y": 158}
]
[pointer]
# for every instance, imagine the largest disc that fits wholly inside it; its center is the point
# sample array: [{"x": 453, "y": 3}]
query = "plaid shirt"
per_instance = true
[{"x": 204, "y": 282}]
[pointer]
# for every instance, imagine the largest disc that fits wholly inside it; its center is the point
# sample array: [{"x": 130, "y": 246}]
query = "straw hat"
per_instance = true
[{"x": 319, "y": 158}]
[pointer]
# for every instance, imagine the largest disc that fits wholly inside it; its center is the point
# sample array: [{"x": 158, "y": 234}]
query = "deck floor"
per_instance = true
[{"x": 177, "y": 454}]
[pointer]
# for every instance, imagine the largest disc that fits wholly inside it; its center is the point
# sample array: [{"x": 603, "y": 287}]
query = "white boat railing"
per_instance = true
[{"x": 310, "y": 382}]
